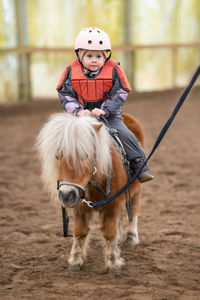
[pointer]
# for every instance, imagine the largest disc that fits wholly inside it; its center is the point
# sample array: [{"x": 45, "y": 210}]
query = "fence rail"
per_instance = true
[
  {"x": 25, "y": 53},
  {"x": 124, "y": 48}
]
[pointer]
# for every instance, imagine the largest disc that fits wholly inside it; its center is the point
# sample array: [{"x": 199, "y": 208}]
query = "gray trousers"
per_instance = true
[{"x": 128, "y": 139}]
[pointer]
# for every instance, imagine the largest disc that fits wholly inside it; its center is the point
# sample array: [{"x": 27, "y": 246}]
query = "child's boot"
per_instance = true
[{"x": 145, "y": 174}]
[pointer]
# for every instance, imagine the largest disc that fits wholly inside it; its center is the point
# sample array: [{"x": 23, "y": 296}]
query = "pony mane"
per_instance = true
[{"x": 75, "y": 139}]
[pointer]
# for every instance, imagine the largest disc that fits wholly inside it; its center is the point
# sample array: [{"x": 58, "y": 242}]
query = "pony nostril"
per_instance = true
[
  {"x": 71, "y": 196},
  {"x": 68, "y": 196},
  {"x": 60, "y": 195}
]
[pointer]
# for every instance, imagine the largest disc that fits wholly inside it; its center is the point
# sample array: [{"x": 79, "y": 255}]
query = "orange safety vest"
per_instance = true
[{"x": 93, "y": 92}]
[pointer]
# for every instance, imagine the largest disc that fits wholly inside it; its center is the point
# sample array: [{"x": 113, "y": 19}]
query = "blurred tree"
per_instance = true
[
  {"x": 24, "y": 81},
  {"x": 127, "y": 38},
  {"x": 2, "y": 31}
]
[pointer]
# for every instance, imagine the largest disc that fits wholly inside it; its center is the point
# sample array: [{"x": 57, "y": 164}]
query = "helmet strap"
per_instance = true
[
  {"x": 108, "y": 56},
  {"x": 80, "y": 60},
  {"x": 77, "y": 55}
]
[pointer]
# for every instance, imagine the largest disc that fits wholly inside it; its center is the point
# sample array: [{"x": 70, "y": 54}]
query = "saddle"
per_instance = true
[{"x": 132, "y": 125}]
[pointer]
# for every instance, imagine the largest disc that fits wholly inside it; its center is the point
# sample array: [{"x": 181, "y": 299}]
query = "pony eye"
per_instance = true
[{"x": 84, "y": 156}]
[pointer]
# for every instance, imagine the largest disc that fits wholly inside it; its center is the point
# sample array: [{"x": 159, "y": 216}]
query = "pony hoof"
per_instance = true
[
  {"x": 114, "y": 269},
  {"x": 132, "y": 240},
  {"x": 75, "y": 267}
]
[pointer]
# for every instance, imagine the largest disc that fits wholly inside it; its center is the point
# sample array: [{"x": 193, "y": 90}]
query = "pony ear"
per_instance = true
[{"x": 97, "y": 127}]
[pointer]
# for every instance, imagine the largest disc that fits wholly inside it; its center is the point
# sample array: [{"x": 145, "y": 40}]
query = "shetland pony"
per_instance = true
[{"x": 73, "y": 150}]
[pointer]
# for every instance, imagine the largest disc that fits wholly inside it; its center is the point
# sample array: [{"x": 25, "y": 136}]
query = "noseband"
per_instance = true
[{"x": 80, "y": 187}]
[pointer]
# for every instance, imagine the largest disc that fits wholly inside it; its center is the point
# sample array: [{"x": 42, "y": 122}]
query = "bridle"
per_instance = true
[
  {"x": 82, "y": 188},
  {"x": 78, "y": 186}
]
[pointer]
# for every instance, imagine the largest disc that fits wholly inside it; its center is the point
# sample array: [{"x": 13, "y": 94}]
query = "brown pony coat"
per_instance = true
[{"x": 114, "y": 229}]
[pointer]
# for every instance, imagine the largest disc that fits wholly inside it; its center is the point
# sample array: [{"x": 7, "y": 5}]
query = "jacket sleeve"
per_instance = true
[
  {"x": 68, "y": 97},
  {"x": 116, "y": 98}
]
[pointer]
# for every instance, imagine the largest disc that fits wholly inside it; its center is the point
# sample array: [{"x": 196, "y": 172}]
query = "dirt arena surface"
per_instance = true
[{"x": 166, "y": 263}]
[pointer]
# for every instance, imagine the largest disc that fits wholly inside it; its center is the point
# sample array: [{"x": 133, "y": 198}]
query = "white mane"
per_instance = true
[{"x": 75, "y": 138}]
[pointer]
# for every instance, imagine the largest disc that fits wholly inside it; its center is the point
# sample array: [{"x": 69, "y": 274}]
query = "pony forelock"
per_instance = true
[{"x": 75, "y": 138}]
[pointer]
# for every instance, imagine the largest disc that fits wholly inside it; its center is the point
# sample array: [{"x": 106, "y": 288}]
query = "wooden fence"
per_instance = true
[{"x": 24, "y": 54}]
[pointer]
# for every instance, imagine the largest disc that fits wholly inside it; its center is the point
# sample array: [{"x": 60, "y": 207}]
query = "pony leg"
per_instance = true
[
  {"x": 132, "y": 233},
  {"x": 113, "y": 261},
  {"x": 121, "y": 231},
  {"x": 79, "y": 247}
]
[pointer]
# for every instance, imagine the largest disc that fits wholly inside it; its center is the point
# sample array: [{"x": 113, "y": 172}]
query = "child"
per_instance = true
[{"x": 96, "y": 85}]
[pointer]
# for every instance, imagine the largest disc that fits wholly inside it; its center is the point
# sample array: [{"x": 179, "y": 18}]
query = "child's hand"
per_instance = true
[
  {"x": 82, "y": 112},
  {"x": 96, "y": 112}
]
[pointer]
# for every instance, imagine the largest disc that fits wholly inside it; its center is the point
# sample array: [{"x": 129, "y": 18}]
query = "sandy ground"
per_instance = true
[{"x": 166, "y": 263}]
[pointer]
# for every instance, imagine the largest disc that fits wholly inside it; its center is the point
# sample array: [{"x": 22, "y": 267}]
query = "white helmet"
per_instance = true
[{"x": 92, "y": 38}]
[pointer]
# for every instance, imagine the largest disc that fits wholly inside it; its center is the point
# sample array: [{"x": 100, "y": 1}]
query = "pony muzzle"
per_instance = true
[{"x": 69, "y": 196}]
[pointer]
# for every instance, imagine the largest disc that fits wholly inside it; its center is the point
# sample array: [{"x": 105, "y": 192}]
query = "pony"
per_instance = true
[{"x": 73, "y": 150}]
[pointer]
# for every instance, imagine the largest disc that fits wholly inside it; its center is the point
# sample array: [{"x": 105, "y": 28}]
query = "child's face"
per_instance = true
[{"x": 93, "y": 60}]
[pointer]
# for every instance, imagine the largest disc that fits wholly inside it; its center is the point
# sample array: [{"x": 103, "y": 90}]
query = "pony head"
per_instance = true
[{"x": 70, "y": 148}]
